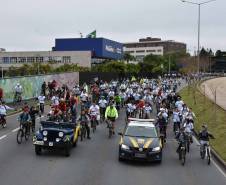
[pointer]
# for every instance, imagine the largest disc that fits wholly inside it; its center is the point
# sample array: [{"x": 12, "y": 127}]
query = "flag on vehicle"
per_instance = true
[{"x": 92, "y": 34}]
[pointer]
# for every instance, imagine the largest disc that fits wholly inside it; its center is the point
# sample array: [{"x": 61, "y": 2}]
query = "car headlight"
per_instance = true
[
  {"x": 125, "y": 147},
  {"x": 45, "y": 138},
  {"x": 156, "y": 149},
  {"x": 45, "y": 133},
  {"x": 57, "y": 139},
  {"x": 61, "y": 134}
]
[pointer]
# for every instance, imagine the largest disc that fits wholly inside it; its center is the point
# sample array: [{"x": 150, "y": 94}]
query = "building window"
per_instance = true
[
  {"x": 13, "y": 59},
  {"x": 159, "y": 50},
  {"x": 152, "y": 51},
  {"x": 6, "y": 60},
  {"x": 22, "y": 60},
  {"x": 66, "y": 59},
  {"x": 140, "y": 51}
]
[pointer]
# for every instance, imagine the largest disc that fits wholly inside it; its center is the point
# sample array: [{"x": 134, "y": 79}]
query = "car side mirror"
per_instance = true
[{"x": 120, "y": 133}]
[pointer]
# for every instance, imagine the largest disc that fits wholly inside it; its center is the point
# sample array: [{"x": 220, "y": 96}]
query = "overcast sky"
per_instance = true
[{"x": 34, "y": 24}]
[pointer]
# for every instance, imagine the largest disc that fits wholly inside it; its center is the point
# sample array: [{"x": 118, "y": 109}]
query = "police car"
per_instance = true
[{"x": 140, "y": 141}]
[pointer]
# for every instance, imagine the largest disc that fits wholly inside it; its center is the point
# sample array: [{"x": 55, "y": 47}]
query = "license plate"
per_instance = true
[
  {"x": 39, "y": 143},
  {"x": 140, "y": 155},
  {"x": 50, "y": 143}
]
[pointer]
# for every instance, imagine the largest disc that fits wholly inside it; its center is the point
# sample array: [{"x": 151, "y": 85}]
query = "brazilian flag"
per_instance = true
[{"x": 92, "y": 34}]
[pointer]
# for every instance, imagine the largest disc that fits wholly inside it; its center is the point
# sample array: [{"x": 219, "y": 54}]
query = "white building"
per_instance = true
[
  {"x": 17, "y": 59},
  {"x": 140, "y": 52},
  {"x": 154, "y": 46}
]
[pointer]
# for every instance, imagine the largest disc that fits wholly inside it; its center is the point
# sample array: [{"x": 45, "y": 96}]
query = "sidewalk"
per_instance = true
[{"x": 217, "y": 85}]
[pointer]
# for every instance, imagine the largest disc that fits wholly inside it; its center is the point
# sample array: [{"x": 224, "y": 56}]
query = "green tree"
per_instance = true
[{"x": 128, "y": 57}]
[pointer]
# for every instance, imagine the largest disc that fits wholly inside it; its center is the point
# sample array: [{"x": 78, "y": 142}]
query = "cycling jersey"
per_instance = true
[{"x": 111, "y": 112}]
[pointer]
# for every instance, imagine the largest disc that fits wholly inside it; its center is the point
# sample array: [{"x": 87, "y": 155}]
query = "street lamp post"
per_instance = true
[{"x": 199, "y": 16}]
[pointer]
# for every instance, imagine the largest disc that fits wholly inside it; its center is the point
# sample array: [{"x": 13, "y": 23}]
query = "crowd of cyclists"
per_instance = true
[{"x": 100, "y": 102}]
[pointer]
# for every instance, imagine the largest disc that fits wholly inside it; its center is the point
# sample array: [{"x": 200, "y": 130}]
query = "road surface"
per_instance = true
[{"x": 95, "y": 162}]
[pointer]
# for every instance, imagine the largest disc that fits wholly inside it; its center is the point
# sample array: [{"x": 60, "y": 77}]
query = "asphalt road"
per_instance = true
[{"x": 95, "y": 162}]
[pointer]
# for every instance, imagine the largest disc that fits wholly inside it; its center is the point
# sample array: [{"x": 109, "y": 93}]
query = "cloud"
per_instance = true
[{"x": 33, "y": 25}]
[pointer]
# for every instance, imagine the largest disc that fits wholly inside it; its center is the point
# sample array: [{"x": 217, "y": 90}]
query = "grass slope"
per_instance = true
[{"x": 209, "y": 113}]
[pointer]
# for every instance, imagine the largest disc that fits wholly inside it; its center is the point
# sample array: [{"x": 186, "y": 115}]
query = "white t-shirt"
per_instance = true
[
  {"x": 18, "y": 89},
  {"x": 55, "y": 100},
  {"x": 103, "y": 103},
  {"x": 188, "y": 127},
  {"x": 84, "y": 96},
  {"x": 94, "y": 110},
  {"x": 41, "y": 99}
]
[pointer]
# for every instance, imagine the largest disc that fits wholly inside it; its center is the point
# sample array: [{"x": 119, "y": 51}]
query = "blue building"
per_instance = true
[{"x": 100, "y": 48}]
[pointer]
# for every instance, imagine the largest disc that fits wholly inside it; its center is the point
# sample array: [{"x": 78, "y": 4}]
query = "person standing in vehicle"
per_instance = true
[{"x": 111, "y": 114}]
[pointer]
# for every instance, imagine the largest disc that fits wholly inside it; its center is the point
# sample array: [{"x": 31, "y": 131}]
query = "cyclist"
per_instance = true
[
  {"x": 18, "y": 92},
  {"x": 117, "y": 101},
  {"x": 204, "y": 136},
  {"x": 181, "y": 138},
  {"x": 84, "y": 119},
  {"x": 33, "y": 113},
  {"x": 24, "y": 119},
  {"x": 162, "y": 124},
  {"x": 3, "y": 111},
  {"x": 189, "y": 128},
  {"x": 94, "y": 112},
  {"x": 103, "y": 104},
  {"x": 41, "y": 100},
  {"x": 111, "y": 114}
]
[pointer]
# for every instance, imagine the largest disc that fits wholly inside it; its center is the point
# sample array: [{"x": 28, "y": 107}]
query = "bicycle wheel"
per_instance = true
[
  {"x": 110, "y": 132},
  {"x": 208, "y": 157},
  {"x": 27, "y": 132},
  {"x": 20, "y": 135},
  {"x": 188, "y": 146},
  {"x": 183, "y": 157}
]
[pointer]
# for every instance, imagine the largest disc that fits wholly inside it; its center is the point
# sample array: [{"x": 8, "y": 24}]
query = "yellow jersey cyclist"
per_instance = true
[{"x": 111, "y": 114}]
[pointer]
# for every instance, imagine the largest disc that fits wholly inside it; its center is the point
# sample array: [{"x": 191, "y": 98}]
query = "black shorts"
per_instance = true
[{"x": 111, "y": 119}]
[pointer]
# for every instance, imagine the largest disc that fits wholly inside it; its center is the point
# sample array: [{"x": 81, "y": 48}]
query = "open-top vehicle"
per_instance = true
[{"x": 62, "y": 135}]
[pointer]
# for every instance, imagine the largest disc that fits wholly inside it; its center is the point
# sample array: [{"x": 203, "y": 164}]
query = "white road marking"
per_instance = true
[
  {"x": 215, "y": 164},
  {"x": 16, "y": 129},
  {"x": 2, "y": 137}
]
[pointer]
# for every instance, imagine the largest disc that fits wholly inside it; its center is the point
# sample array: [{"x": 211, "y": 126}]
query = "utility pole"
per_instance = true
[{"x": 2, "y": 72}]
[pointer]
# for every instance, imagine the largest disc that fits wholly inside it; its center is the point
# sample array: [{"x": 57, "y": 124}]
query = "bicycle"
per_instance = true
[
  {"x": 24, "y": 131},
  {"x": 93, "y": 123},
  {"x": 205, "y": 152},
  {"x": 83, "y": 131},
  {"x": 2, "y": 121},
  {"x": 110, "y": 127},
  {"x": 189, "y": 141},
  {"x": 182, "y": 153},
  {"x": 17, "y": 98}
]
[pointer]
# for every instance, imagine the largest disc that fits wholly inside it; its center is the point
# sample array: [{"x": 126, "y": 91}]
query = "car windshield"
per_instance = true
[
  {"x": 58, "y": 125},
  {"x": 141, "y": 131}
]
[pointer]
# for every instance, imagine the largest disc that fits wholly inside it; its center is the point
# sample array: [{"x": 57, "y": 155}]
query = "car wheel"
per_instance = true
[
  {"x": 75, "y": 143},
  {"x": 67, "y": 151},
  {"x": 38, "y": 150}
]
